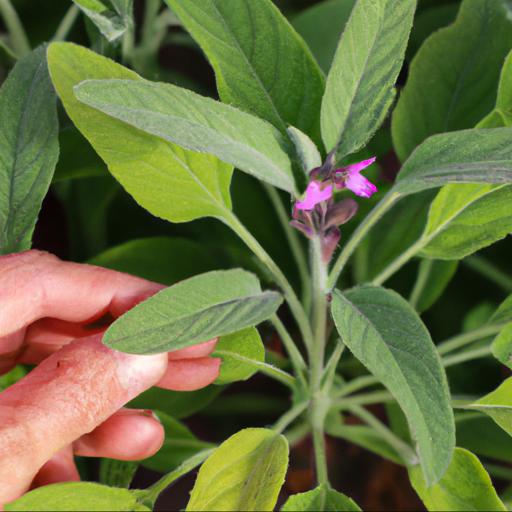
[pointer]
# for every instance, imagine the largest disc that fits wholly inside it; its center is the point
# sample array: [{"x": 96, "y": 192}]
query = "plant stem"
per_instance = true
[
  {"x": 424, "y": 271},
  {"x": 499, "y": 471},
  {"x": 407, "y": 454},
  {"x": 375, "y": 397},
  {"x": 330, "y": 367},
  {"x": 468, "y": 355},
  {"x": 290, "y": 416},
  {"x": 490, "y": 271},
  {"x": 465, "y": 338},
  {"x": 292, "y": 237},
  {"x": 371, "y": 219},
  {"x": 296, "y": 434},
  {"x": 17, "y": 35},
  {"x": 357, "y": 384},
  {"x": 294, "y": 303},
  {"x": 66, "y": 24}
]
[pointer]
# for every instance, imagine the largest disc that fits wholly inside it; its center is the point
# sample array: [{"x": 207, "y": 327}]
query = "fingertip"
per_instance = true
[
  {"x": 195, "y": 351},
  {"x": 190, "y": 374}
]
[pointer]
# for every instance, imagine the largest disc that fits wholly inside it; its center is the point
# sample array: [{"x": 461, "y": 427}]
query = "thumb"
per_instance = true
[{"x": 65, "y": 397}]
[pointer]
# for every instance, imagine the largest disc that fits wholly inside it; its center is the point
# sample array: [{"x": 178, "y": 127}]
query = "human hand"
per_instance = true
[{"x": 72, "y": 403}]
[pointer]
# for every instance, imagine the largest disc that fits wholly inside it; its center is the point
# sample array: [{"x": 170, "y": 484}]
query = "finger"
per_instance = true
[
  {"x": 60, "y": 468},
  {"x": 201, "y": 350},
  {"x": 190, "y": 374},
  {"x": 65, "y": 397},
  {"x": 9, "y": 348},
  {"x": 35, "y": 285},
  {"x": 127, "y": 435}
]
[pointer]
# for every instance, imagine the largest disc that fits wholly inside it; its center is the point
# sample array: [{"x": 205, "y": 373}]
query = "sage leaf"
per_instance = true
[
  {"x": 87, "y": 497},
  {"x": 307, "y": 153},
  {"x": 29, "y": 148},
  {"x": 359, "y": 88},
  {"x": 465, "y": 486},
  {"x": 196, "y": 123},
  {"x": 467, "y": 156},
  {"x": 322, "y": 498},
  {"x": 502, "y": 346},
  {"x": 262, "y": 65},
  {"x": 465, "y": 218},
  {"x": 246, "y": 472},
  {"x": 452, "y": 79},
  {"x": 384, "y": 332},
  {"x": 170, "y": 182},
  {"x": 192, "y": 311},
  {"x": 242, "y": 353}
]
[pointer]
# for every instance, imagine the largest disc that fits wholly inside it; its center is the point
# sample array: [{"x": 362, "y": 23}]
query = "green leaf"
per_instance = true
[
  {"x": 466, "y": 218},
  {"x": 502, "y": 346},
  {"x": 179, "y": 445},
  {"x": 498, "y": 405},
  {"x": 241, "y": 353},
  {"x": 170, "y": 182},
  {"x": 262, "y": 65},
  {"x": 161, "y": 259},
  {"x": 82, "y": 496},
  {"x": 452, "y": 80},
  {"x": 246, "y": 472},
  {"x": 117, "y": 473},
  {"x": 29, "y": 148},
  {"x": 359, "y": 89},
  {"x": 11, "y": 377},
  {"x": 438, "y": 274},
  {"x": 192, "y": 311},
  {"x": 383, "y": 331},
  {"x": 322, "y": 498},
  {"x": 195, "y": 122},
  {"x": 111, "y": 22},
  {"x": 465, "y": 486},
  {"x": 331, "y": 16},
  {"x": 468, "y": 156},
  {"x": 503, "y": 313},
  {"x": 305, "y": 148}
]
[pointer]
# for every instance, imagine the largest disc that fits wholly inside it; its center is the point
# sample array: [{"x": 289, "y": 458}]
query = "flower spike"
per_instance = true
[{"x": 315, "y": 194}]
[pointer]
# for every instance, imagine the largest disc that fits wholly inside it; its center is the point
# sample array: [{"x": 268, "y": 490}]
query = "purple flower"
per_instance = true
[
  {"x": 350, "y": 177},
  {"x": 316, "y": 193}
]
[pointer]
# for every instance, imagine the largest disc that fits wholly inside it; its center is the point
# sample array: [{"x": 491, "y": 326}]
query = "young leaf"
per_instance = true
[
  {"x": 170, "y": 182},
  {"x": 305, "y": 148},
  {"x": 246, "y": 472},
  {"x": 321, "y": 26},
  {"x": 29, "y": 148},
  {"x": 195, "y": 122},
  {"x": 467, "y": 156},
  {"x": 502, "y": 346},
  {"x": 359, "y": 89},
  {"x": 465, "y": 486},
  {"x": 503, "y": 313},
  {"x": 192, "y": 311},
  {"x": 322, "y": 498},
  {"x": 112, "y": 23},
  {"x": 383, "y": 331},
  {"x": 262, "y": 65},
  {"x": 466, "y": 218},
  {"x": 117, "y": 473},
  {"x": 77, "y": 497},
  {"x": 498, "y": 405},
  {"x": 241, "y": 353},
  {"x": 452, "y": 80},
  {"x": 179, "y": 445}
]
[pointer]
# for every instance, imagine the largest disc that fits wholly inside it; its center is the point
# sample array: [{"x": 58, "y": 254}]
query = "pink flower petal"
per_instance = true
[
  {"x": 314, "y": 194},
  {"x": 360, "y": 185},
  {"x": 359, "y": 166}
]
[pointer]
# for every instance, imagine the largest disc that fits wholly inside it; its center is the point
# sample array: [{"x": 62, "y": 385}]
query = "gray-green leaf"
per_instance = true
[
  {"x": 193, "y": 311},
  {"x": 307, "y": 153},
  {"x": 196, "y": 123},
  {"x": 387, "y": 336},
  {"x": 29, "y": 148},
  {"x": 246, "y": 472},
  {"x": 262, "y": 65},
  {"x": 323, "y": 498},
  {"x": 465, "y": 486},
  {"x": 359, "y": 89}
]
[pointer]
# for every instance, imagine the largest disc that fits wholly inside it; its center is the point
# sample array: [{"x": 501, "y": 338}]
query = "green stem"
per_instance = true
[
  {"x": 294, "y": 303},
  {"x": 407, "y": 454},
  {"x": 290, "y": 416},
  {"x": 17, "y": 35},
  {"x": 424, "y": 271},
  {"x": 490, "y": 271},
  {"x": 66, "y": 24},
  {"x": 372, "y": 218},
  {"x": 499, "y": 471},
  {"x": 376, "y": 397},
  {"x": 322, "y": 476},
  {"x": 468, "y": 355},
  {"x": 465, "y": 338},
  {"x": 293, "y": 241},
  {"x": 357, "y": 384},
  {"x": 330, "y": 367},
  {"x": 297, "y": 433}
]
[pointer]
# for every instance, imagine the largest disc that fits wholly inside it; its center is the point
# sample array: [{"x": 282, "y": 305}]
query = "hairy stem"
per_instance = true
[
  {"x": 67, "y": 23},
  {"x": 424, "y": 271},
  {"x": 372, "y": 218},
  {"x": 17, "y": 35},
  {"x": 490, "y": 271},
  {"x": 466, "y": 338},
  {"x": 290, "y": 416},
  {"x": 468, "y": 355}
]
